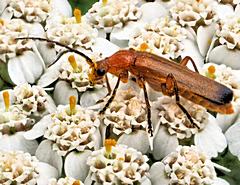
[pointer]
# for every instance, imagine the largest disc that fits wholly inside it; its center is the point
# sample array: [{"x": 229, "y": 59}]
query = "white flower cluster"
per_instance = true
[
  {"x": 14, "y": 120},
  {"x": 176, "y": 120},
  {"x": 18, "y": 168},
  {"x": 9, "y": 30},
  {"x": 123, "y": 166},
  {"x": 76, "y": 35},
  {"x": 226, "y": 76},
  {"x": 30, "y": 99},
  {"x": 65, "y": 181},
  {"x": 228, "y": 31},
  {"x": 126, "y": 113},
  {"x": 189, "y": 166},
  {"x": 71, "y": 131},
  {"x": 194, "y": 12},
  {"x": 79, "y": 77},
  {"x": 161, "y": 37},
  {"x": 113, "y": 13},
  {"x": 31, "y": 11}
]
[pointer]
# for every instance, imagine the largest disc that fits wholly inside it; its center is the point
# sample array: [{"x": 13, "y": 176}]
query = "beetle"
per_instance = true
[{"x": 162, "y": 75}]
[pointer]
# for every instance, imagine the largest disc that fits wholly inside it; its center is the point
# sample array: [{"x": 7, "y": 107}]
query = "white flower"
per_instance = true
[
  {"x": 35, "y": 11},
  {"x": 117, "y": 164},
  {"x": 173, "y": 126},
  {"x": 13, "y": 123},
  {"x": 162, "y": 37},
  {"x": 19, "y": 58},
  {"x": 32, "y": 100},
  {"x": 227, "y": 44},
  {"x": 65, "y": 181},
  {"x": 186, "y": 166},
  {"x": 71, "y": 132},
  {"x": 17, "y": 167},
  {"x": 112, "y": 13},
  {"x": 191, "y": 12}
]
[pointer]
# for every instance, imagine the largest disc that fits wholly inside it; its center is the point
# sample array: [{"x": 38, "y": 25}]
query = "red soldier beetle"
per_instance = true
[{"x": 162, "y": 75}]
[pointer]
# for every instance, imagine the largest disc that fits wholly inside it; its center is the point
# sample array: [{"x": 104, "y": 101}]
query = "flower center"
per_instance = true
[
  {"x": 2, "y": 22},
  {"x": 109, "y": 143},
  {"x": 78, "y": 15},
  {"x": 76, "y": 182},
  {"x": 6, "y": 99},
  {"x": 72, "y": 104},
  {"x": 144, "y": 46}
]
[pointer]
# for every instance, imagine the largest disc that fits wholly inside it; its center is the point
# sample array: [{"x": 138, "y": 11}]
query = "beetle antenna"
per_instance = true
[{"x": 89, "y": 60}]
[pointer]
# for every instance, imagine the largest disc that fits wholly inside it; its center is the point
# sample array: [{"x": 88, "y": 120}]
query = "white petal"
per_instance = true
[
  {"x": 191, "y": 49},
  {"x": 7, "y": 15},
  {"x": 237, "y": 9},
  {"x": 151, "y": 11},
  {"x": 46, "y": 172},
  {"x": 76, "y": 165},
  {"x": 211, "y": 140},
  {"x": 225, "y": 121},
  {"x": 45, "y": 154},
  {"x": 38, "y": 129},
  {"x": 220, "y": 181},
  {"x": 18, "y": 142},
  {"x": 62, "y": 93},
  {"x": 204, "y": 38},
  {"x": 233, "y": 138},
  {"x": 130, "y": 140},
  {"x": 62, "y": 6},
  {"x": 51, "y": 107},
  {"x": 222, "y": 55},
  {"x": 145, "y": 181},
  {"x": 3, "y": 5},
  {"x": 97, "y": 139},
  {"x": 105, "y": 47},
  {"x": 157, "y": 174},
  {"x": 224, "y": 10},
  {"x": 47, "y": 52},
  {"x": 25, "y": 68},
  {"x": 89, "y": 98},
  {"x": 164, "y": 143},
  {"x": 36, "y": 30}
]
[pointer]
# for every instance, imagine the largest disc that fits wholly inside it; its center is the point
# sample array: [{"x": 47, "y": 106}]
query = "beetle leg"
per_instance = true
[
  {"x": 108, "y": 85},
  {"x": 172, "y": 89},
  {"x": 142, "y": 85},
  {"x": 112, "y": 96},
  {"x": 186, "y": 60}
]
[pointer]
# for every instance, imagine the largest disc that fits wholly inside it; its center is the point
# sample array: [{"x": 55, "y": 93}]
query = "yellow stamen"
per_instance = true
[
  {"x": 211, "y": 72},
  {"x": 2, "y": 22},
  {"x": 78, "y": 15},
  {"x": 144, "y": 46},
  {"x": 73, "y": 62},
  {"x": 72, "y": 103},
  {"x": 76, "y": 182},
  {"x": 211, "y": 69},
  {"x": 104, "y": 2},
  {"x": 109, "y": 143},
  {"x": 6, "y": 99}
]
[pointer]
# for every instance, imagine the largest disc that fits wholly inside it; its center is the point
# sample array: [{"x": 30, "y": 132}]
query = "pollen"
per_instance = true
[
  {"x": 2, "y": 22},
  {"x": 76, "y": 182},
  {"x": 6, "y": 99},
  {"x": 211, "y": 69},
  {"x": 144, "y": 46},
  {"x": 72, "y": 103},
  {"x": 104, "y": 2},
  {"x": 78, "y": 15},
  {"x": 109, "y": 143},
  {"x": 73, "y": 62}
]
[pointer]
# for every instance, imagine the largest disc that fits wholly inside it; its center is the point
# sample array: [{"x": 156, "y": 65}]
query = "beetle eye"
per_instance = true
[{"x": 101, "y": 72}]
